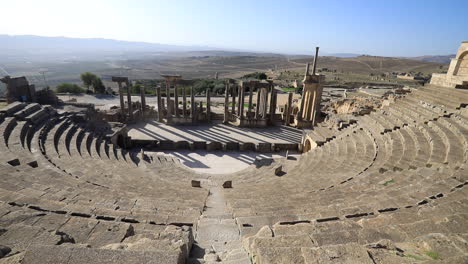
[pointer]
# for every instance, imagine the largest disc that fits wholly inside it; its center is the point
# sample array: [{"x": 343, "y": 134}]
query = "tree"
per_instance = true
[
  {"x": 69, "y": 88},
  {"x": 98, "y": 86},
  {"x": 255, "y": 75},
  {"x": 214, "y": 85},
  {"x": 88, "y": 79}
]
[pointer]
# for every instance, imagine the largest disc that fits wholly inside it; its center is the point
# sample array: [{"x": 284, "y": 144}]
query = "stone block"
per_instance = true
[
  {"x": 182, "y": 144},
  {"x": 167, "y": 145},
  {"x": 214, "y": 145},
  {"x": 247, "y": 146},
  {"x": 277, "y": 147},
  {"x": 231, "y": 146},
  {"x": 144, "y": 143},
  {"x": 227, "y": 184},
  {"x": 196, "y": 184},
  {"x": 76, "y": 254},
  {"x": 198, "y": 145},
  {"x": 264, "y": 147},
  {"x": 279, "y": 171}
]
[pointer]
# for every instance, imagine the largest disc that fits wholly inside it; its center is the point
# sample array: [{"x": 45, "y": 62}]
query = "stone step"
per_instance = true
[
  {"x": 77, "y": 254},
  {"x": 12, "y": 108}
]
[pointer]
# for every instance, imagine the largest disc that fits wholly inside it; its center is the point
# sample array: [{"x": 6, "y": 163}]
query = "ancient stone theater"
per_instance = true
[{"x": 387, "y": 186}]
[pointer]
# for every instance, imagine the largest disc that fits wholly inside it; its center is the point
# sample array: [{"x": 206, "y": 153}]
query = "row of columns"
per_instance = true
[
  {"x": 127, "y": 89},
  {"x": 264, "y": 94},
  {"x": 171, "y": 107}
]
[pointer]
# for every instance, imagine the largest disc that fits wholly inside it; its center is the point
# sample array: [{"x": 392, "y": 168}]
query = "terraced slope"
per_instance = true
[
  {"x": 390, "y": 188},
  {"x": 66, "y": 189}
]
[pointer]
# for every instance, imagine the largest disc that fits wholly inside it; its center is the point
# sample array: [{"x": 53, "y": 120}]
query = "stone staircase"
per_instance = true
[{"x": 389, "y": 188}]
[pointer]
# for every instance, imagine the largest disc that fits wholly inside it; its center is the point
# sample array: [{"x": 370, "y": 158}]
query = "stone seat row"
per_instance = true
[
  {"x": 438, "y": 227},
  {"x": 73, "y": 195},
  {"x": 163, "y": 200},
  {"x": 252, "y": 214},
  {"x": 404, "y": 148},
  {"x": 32, "y": 235}
]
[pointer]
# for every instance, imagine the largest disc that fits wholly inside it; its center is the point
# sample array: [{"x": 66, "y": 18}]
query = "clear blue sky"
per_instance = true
[{"x": 378, "y": 27}]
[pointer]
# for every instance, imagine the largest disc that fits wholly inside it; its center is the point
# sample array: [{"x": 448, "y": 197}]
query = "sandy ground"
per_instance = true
[{"x": 220, "y": 162}]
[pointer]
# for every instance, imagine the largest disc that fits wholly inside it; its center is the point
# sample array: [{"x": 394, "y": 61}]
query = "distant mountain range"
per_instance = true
[
  {"x": 65, "y": 44},
  {"x": 437, "y": 58},
  {"x": 30, "y": 48},
  {"x": 342, "y": 55}
]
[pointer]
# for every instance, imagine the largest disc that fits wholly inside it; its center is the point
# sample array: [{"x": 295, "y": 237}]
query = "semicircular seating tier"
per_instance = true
[{"x": 389, "y": 188}]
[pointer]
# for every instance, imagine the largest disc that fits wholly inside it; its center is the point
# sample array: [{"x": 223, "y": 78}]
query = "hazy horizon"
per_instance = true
[{"x": 403, "y": 28}]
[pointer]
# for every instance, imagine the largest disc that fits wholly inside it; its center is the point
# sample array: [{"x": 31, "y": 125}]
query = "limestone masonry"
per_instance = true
[
  {"x": 389, "y": 185},
  {"x": 457, "y": 74}
]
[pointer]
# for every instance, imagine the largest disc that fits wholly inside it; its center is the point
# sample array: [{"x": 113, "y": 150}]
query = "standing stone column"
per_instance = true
[
  {"x": 257, "y": 108},
  {"x": 184, "y": 103},
  {"x": 208, "y": 105},
  {"x": 272, "y": 95},
  {"x": 241, "y": 103},
  {"x": 168, "y": 101},
  {"x": 192, "y": 104},
  {"x": 160, "y": 107},
  {"x": 301, "y": 109},
  {"x": 226, "y": 105},
  {"x": 239, "y": 93},
  {"x": 122, "y": 103},
  {"x": 143, "y": 100},
  {"x": 129, "y": 101},
  {"x": 176, "y": 100},
  {"x": 233, "y": 91},
  {"x": 272, "y": 105},
  {"x": 265, "y": 105},
  {"x": 250, "y": 102},
  {"x": 288, "y": 110}
]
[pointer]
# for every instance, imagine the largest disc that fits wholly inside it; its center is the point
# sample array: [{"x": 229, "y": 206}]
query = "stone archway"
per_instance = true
[
  {"x": 462, "y": 67},
  {"x": 307, "y": 146}
]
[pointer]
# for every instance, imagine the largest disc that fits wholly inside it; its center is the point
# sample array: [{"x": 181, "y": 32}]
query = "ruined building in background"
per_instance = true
[
  {"x": 18, "y": 89},
  {"x": 457, "y": 74}
]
